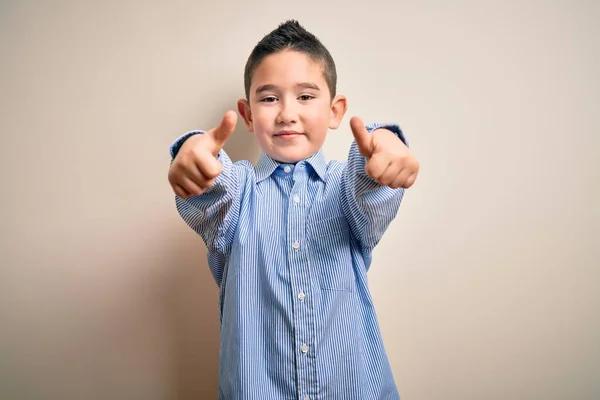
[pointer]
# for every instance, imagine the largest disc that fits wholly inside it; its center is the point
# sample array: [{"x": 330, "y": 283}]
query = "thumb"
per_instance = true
[
  {"x": 221, "y": 133},
  {"x": 362, "y": 137}
]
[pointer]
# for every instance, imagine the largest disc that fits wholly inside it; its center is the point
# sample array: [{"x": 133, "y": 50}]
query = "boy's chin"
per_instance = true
[
  {"x": 292, "y": 158},
  {"x": 287, "y": 160}
]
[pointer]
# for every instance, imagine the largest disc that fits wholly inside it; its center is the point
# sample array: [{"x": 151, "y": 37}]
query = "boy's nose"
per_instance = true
[{"x": 287, "y": 115}]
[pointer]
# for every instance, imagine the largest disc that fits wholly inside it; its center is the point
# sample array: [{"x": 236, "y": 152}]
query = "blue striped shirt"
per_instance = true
[{"x": 289, "y": 247}]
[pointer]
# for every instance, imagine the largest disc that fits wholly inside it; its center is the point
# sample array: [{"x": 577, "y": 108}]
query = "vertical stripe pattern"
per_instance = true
[{"x": 289, "y": 247}]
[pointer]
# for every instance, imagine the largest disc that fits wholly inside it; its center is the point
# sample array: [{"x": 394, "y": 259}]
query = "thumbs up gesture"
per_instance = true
[
  {"x": 389, "y": 161},
  {"x": 196, "y": 167}
]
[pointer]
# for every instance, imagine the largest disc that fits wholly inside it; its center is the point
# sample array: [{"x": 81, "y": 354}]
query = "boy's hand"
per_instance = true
[
  {"x": 196, "y": 167},
  {"x": 389, "y": 161}
]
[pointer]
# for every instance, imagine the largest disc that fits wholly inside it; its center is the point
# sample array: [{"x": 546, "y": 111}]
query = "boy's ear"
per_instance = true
[
  {"x": 339, "y": 105},
  {"x": 244, "y": 110}
]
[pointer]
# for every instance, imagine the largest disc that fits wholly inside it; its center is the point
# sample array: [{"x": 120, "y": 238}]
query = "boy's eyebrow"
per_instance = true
[
  {"x": 308, "y": 85},
  {"x": 268, "y": 87}
]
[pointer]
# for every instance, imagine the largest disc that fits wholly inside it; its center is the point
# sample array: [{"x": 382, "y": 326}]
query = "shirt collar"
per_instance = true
[{"x": 266, "y": 165}]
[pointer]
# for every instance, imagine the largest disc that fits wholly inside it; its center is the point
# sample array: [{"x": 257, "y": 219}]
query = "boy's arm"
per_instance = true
[
  {"x": 207, "y": 185},
  {"x": 378, "y": 169}
]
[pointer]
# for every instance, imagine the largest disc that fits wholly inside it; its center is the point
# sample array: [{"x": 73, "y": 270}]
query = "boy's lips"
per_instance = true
[{"x": 287, "y": 135}]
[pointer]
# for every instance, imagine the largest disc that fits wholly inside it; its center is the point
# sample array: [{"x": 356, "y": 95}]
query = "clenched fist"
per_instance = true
[
  {"x": 195, "y": 167},
  {"x": 389, "y": 161}
]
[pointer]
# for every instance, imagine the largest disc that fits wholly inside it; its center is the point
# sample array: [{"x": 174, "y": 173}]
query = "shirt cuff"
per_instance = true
[
  {"x": 392, "y": 127},
  {"x": 174, "y": 148}
]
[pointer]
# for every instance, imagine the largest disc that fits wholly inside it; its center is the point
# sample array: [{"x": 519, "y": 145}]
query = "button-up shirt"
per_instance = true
[{"x": 289, "y": 246}]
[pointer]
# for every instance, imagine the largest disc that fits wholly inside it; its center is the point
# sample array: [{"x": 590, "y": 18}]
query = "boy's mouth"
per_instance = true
[{"x": 287, "y": 135}]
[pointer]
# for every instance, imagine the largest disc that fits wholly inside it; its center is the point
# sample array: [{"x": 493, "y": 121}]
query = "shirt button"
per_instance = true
[
  {"x": 301, "y": 296},
  {"x": 287, "y": 169},
  {"x": 296, "y": 199},
  {"x": 296, "y": 245},
  {"x": 304, "y": 348}
]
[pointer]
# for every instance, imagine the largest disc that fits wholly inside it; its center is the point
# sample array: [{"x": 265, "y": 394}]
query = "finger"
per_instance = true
[
  {"x": 221, "y": 133},
  {"x": 195, "y": 175},
  {"x": 389, "y": 175},
  {"x": 410, "y": 181},
  {"x": 180, "y": 192},
  {"x": 191, "y": 187},
  {"x": 376, "y": 166},
  {"x": 209, "y": 167},
  {"x": 210, "y": 183},
  {"x": 402, "y": 180},
  {"x": 362, "y": 136}
]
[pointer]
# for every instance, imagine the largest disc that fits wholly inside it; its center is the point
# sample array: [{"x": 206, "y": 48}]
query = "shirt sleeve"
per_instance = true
[
  {"x": 176, "y": 145},
  {"x": 214, "y": 214},
  {"x": 369, "y": 207}
]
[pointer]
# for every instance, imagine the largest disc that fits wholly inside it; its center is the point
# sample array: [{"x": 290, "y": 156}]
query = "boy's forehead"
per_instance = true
[{"x": 288, "y": 67}]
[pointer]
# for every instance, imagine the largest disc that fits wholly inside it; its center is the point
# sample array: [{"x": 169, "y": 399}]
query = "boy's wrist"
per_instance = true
[
  {"x": 178, "y": 143},
  {"x": 393, "y": 128}
]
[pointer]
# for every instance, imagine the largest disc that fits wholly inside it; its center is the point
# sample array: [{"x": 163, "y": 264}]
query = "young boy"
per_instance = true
[{"x": 290, "y": 239}]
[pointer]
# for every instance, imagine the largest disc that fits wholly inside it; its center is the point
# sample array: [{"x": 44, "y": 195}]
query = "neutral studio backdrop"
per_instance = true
[{"x": 487, "y": 283}]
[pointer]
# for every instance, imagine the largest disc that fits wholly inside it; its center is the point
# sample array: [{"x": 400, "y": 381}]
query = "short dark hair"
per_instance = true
[{"x": 291, "y": 35}]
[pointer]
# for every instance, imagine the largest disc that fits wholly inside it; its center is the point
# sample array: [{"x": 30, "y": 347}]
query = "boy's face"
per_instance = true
[{"x": 289, "y": 109}]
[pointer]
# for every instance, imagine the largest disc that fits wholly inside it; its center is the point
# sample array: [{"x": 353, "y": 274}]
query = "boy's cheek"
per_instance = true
[
  {"x": 259, "y": 127},
  {"x": 264, "y": 123}
]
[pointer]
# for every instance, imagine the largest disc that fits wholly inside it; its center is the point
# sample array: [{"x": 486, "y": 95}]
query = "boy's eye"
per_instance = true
[
  {"x": 269, "y": 99},
  {"x": 306, "y": 97}
]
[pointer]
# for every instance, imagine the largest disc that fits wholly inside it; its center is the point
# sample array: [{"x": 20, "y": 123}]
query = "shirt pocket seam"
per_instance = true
[
  {"x": 332, "y": 277},
  {"x": 314, "y": 231}
]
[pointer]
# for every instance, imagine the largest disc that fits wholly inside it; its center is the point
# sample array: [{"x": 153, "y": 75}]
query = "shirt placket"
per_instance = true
[{"x": 303, "y": 306}]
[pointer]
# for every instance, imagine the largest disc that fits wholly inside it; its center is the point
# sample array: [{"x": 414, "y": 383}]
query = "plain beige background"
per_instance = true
[{"x": 487, "y": 283}]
